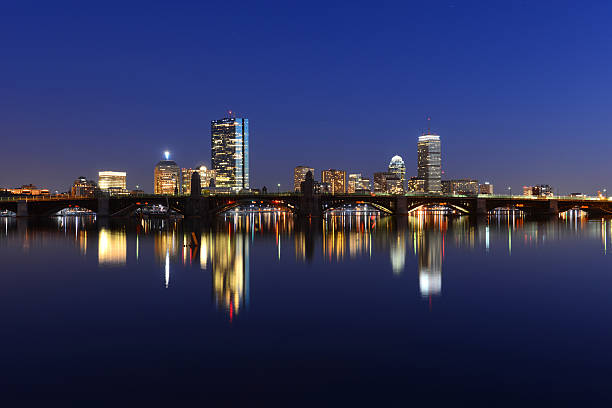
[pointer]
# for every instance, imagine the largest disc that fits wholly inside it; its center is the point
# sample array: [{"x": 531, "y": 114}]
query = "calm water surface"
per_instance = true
[{"x": 348, "y": 310}]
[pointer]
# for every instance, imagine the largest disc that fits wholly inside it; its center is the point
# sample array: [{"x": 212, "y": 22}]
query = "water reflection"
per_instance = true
[
  {"x": 410, "y": 249},
  {"x": 112, "y": 247}
]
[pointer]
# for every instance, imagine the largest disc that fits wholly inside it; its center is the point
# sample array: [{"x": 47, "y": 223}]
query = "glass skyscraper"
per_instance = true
[
  {"x": 230, "y": 153},
  {"x": 429, "y": 163}
]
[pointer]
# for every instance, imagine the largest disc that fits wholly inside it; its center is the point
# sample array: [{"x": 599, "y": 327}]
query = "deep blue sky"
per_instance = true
[{"x": 519, "y": 91}]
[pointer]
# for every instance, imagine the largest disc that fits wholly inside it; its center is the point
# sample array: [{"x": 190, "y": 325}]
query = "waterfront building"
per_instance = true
[
  {"x": 429, "y": 163},
  {"x": 336, "y": 179},
  {"x": 416, "y": 185},
  {"x": 29, "y": 190},
  {"x": 387, "y": 183},
  {"x": 398, "y": 169},
  {"x": 299, "y": 175},
  {"x": 365, "y": 186},
  {"x": 486, "y": 188},
  {"x": 230, "y": 153},
  {"x": 357, "y": 183},
  {"x": 541, "y": 190},
  {"x": 460, "y": 187},
  {"x": 83, "y": 188},
  {"x": 394, "y": 185},
  {"x": 112, "y": 181},
  {"x": 167, "y": 177},
  {"x": 322, "y": 188},
  {"x": 380, "y": 182},
  {"x": 206, "y": 176}
]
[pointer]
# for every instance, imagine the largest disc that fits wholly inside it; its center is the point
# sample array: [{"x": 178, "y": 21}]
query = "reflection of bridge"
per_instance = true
[{"x": 306, "y": 205}]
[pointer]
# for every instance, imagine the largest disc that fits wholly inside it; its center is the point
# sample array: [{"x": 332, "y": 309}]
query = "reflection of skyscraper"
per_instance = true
[
  {"x": 230, "y": 152},
  {"x": 429, "y": 162},
  {"x": 230, "y": 270},
  {"x": 112, "y": 247},
  {"x": 430, "y": 261}
]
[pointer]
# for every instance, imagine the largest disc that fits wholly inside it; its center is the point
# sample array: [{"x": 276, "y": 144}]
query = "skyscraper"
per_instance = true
[
  {"x": 230, "y": 152},
  {"x": 398, "y": 169},
  {"x": 299, "y": 175},
  {"x": 336, "y": 179},
  {"x": 429, "y": 162},
  {"x": 166, "y": 177}
]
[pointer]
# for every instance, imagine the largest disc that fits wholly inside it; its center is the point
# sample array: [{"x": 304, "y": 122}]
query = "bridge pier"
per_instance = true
[
  {"x": 22, "y": 209},
  {"x": 481, "y": 207},
  {"x": 103, "y": 207},
  {"x": 401, "y": 206},
  {"x": 310, "y": 206},
  {"x": 197, "y": 207},
  {"x": 553, "y": 207}
]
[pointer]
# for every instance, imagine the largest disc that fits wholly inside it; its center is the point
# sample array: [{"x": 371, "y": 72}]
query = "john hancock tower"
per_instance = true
[{"x": 230, "y": 152}]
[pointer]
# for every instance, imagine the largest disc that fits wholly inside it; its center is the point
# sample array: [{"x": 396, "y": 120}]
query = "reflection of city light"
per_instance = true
[
  {"x": 430, "y": 282},
  {"x": 112, "y": 247},
  {"x": 167, "y": 269},
  {"x": 398, "y": 255}
]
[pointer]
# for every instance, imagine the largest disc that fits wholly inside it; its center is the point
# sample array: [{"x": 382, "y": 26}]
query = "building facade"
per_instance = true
[
  {"x": 398, "y": 169},
  {"x": 415, "y": 185},
  {"x": 429, "y": 162},
  {"x": 29, "y": 190},
  {"x": 167, "y": 178},
  {"x": 543, "y": 190},
  {"x": 486, "y": 188},
  {"x": 357, "y": 184},
  {"x": 230, "y": 153},
  {"x": 299, "y": 175},
  {"x": 206, "y": 175},
  {"x": 83, "y": 188},
  {"x": 380, "y": 182},
  {"x": 460, "y": 187},
  {"x": 112, "y": 181},
  {"x": 336, "y": 179}
]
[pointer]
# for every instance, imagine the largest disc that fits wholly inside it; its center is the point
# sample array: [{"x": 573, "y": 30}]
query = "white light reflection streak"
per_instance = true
[{"x": 167, "y": 267}]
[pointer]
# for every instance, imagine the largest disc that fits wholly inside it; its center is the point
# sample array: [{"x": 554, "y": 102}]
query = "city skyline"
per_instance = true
[{"x": 521, "y": 119}]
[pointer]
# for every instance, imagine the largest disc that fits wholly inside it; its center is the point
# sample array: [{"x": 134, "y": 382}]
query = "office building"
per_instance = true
[
  {"x": 387, "y": 183},
  {"x": 336, "y": 180},
  {"x": 394, "y": 185},
  {"x": 83, "y": 188},
  {"x": 358, "y": 184},
  {"x": 380, "y": 182},
  {"x": 29, "y": 190},
  {"x": 460, "y": 187},
  {"x": 486, "y": 188},
  {"x": 112, "y": 181},
  {"x": 429, "y": 163},
  {"x": 321, "y": 188},
  {"x": 299, "y": 175},
  {"x": 542, "y": 190},
  {"x": 398, "y": 169},
  {"x": 167, "y": 177},
  {"x": 230, "y": 153},
  {"x": 415, "y": 185},
  {"x": 206, "y": 175}
]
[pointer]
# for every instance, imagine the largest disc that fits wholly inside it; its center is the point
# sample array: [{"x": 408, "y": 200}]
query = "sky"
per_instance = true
[{"x": 519, "y": 91}]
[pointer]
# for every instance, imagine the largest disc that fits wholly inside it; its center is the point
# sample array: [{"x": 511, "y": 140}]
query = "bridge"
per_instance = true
[{"x": 305, "y": 204}]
